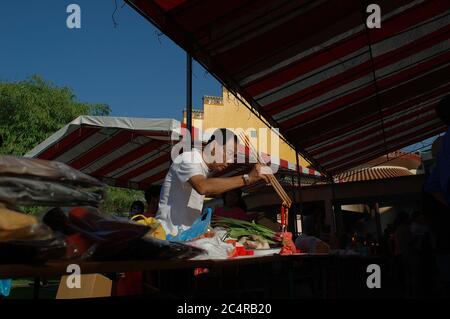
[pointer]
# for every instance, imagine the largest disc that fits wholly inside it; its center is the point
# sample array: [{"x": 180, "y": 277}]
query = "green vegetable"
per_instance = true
[{"x": 238, "y": 228}]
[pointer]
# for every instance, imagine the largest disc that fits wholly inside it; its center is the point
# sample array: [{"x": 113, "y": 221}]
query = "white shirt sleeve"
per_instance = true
[{"x": 190, "y": 166}]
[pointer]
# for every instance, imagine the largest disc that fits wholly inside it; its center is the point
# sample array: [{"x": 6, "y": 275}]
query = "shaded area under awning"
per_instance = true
[{"x": 342, "y": 93}]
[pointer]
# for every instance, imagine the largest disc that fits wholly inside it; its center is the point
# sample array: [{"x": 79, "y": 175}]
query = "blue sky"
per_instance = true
[{"x": 127, "y": 67}]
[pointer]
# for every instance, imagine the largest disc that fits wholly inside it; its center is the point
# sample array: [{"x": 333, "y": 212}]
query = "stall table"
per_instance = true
[{"x": 315, "y": 269}]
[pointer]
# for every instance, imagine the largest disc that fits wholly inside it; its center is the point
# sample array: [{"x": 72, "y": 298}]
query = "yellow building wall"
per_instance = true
[
  {"x": 228, "y": 112},
  {"x": 197, "y": 119}
]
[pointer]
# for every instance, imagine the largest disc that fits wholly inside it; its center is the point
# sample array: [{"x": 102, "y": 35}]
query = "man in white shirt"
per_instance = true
[{"x": 188, "y": 181}]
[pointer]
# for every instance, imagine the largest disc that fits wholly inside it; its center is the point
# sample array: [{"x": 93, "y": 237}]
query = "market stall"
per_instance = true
[
  {"x": 341, "y": 94},
  {"x": 81, "y": 235},
  {"x": 121, "y": 152}
]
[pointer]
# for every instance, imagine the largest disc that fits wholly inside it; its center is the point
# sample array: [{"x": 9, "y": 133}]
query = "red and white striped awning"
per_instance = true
[
  {"x": 341, "y": 92},
  {"x": 124, "y": 152}
]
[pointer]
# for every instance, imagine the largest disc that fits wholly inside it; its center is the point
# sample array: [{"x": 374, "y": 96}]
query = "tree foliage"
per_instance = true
[
  {"x": 33, "y": 109},
  {"x": 118, "y": 200}
]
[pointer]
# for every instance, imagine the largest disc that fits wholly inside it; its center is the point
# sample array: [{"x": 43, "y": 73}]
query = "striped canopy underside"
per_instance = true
[
  {"x": 127, "y": 157},
  {"x": 342, "y": 93},
  {"x": 119, "y": 157}
]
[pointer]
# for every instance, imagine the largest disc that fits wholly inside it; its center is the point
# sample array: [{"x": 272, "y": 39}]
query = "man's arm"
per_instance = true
[
  {"x": 215, "y": 186},
  {"x": 219, "y": 185}
]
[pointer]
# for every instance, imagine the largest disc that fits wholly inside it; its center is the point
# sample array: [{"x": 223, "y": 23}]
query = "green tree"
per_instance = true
[
  {"x": 32, "y": 110},
  {"x": 118, "y": 200}
]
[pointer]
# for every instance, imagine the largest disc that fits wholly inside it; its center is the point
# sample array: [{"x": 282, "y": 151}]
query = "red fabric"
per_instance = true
[
  {"x": 200, "y": 271},
  {"x": 289, "y": 247},
  {"x": 76, "y": 136},
  {"x": 169, "y": 4},
  {"x": 128, "y": 157},
  {"x": 130, "y": 284},
  {"x": 107, "y": 147},
  {"x": 149, "y": 214}
]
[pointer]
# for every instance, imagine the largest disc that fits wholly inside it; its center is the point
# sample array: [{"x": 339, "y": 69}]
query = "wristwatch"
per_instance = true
[{"x": 246, "y": 179}]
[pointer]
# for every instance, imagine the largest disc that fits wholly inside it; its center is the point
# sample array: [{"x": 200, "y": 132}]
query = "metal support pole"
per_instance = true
[
  {"x": 298, "y": 199},
  {"x": 189, "y": 94},
  {"x": 36, "y": 287},
  {"x": 337, "y": 215},
  {"x": 376, "y": 207},
  {"x": 293, "y": 217}
]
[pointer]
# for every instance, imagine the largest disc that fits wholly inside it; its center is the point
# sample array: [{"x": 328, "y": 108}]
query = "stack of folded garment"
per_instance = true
[
  {"x": 74, "y": 228},
  {"x": 24, "y": 240},
  {"x": 36, "y": 182},
  {"x": 27, "y": 181}
]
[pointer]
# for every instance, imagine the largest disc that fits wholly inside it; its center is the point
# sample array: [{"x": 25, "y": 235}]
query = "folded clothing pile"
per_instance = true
[
  {"x": 14, "y": 225},
  {"x": 92, "y": 235},
  {"x": 29, "y": 181},
  {"x": 80, "y": 232},
  {"x": 24, "y": 240},
  {"x": 26, "y": 181}
]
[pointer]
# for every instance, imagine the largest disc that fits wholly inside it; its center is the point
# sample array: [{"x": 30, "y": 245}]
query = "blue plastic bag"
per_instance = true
[
  {"x": 198, "y": 228},
  {"x": 5, "y": 287}
]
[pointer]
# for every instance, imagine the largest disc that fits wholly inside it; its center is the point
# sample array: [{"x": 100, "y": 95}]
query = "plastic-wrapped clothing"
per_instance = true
[
  {"x": 26, "y": 181},
  {"x": 100, "y": 237}
]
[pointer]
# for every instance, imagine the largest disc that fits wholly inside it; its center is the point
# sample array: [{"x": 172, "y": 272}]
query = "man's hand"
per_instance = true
[
  {"x": 260, "y": 172},
  {"x": 214, "y": 186}
]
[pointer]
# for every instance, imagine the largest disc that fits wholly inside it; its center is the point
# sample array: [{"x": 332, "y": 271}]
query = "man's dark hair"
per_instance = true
[
  {"x": 222, "y": 136},
  {"x": 443, "y": 110},
  {"x": 152, "y": 192}
]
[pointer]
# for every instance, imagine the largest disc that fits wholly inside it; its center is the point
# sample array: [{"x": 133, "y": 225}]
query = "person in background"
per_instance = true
[
  {"x": 388, "y": 240},
  {"x": 438, "y": 183},
  {"x": 436, "y": 200},
  {"x": 152, "y": 198},
  {"x": 137, "y": 208},
  {"x": 422, "y": 258},
  {"x": 403, "y": 253},
  {"x": 234, "y": 206}
]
